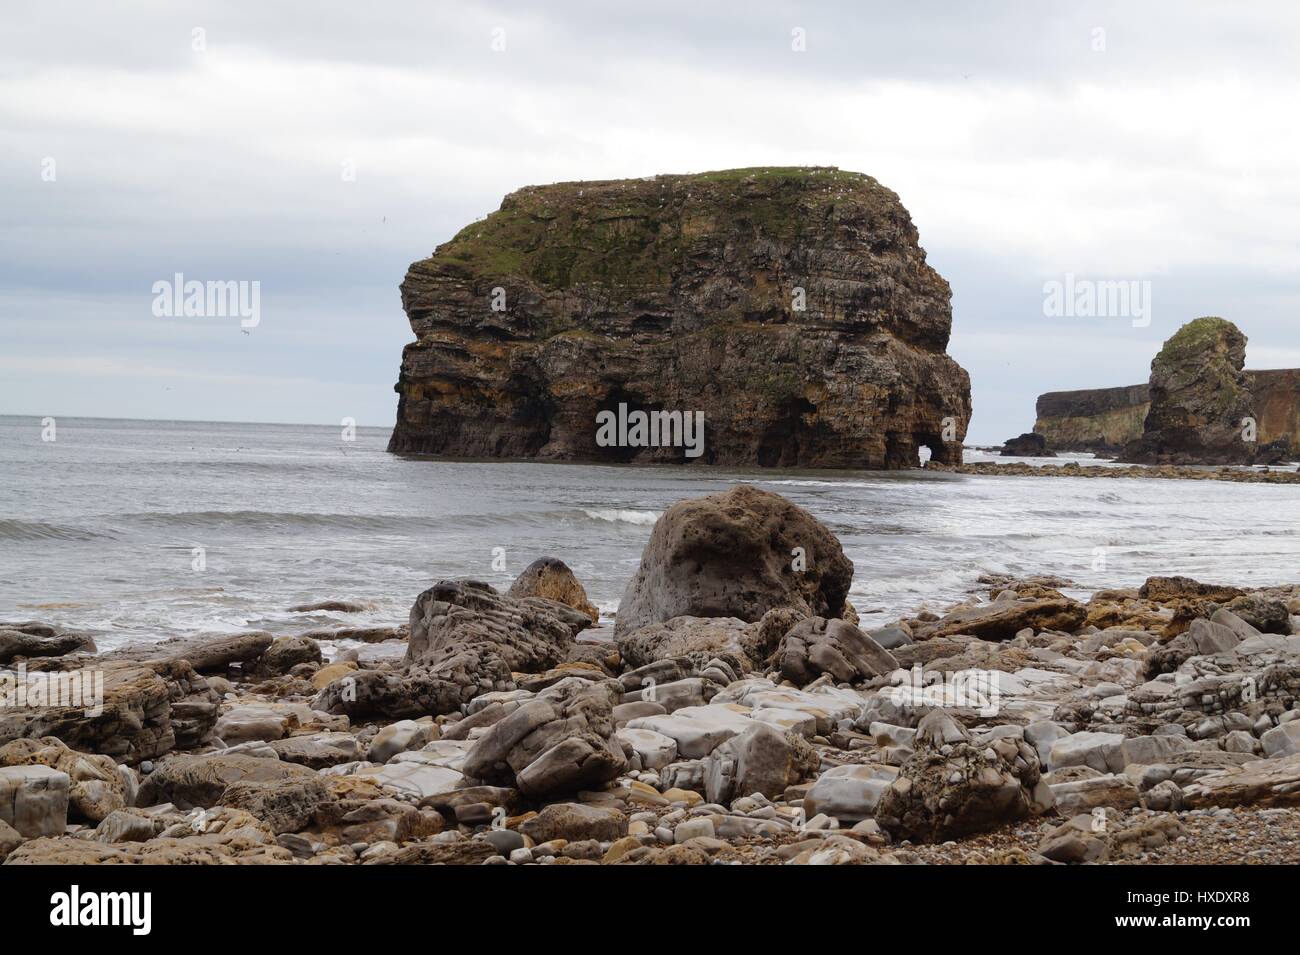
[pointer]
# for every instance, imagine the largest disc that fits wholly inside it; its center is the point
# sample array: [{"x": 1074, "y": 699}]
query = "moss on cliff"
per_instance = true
[{"x": 634, "y": 233}]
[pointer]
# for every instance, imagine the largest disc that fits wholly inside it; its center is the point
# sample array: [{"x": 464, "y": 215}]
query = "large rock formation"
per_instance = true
[
  {"x": 1097, "y": 419},
  {"x": 1105, "y": 420},
  {"x": 793, "y": 308},
  {"x": 1277, "y": 405},
  {"x": 1200, "y": 400},
  {"x": 736, "y": 554}
]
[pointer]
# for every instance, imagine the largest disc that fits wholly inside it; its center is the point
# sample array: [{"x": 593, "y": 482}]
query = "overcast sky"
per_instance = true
[{"x": 1136, "y": 141}]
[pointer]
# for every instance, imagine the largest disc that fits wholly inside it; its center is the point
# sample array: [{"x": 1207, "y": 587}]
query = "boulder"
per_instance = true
[
  {"x": 449, "y": 678},
  {"x": 1200, "y": 399},
  {"x": 1004, "y": 617},
  {"x": 1164, "y": 590},
  {"x": 190, "y": 781},
  {"x": 529, "y": 634},
  {"x": 736, "y": 554},
  {"x": 685, "y": 637},
  {"x": 25, "y": 644},
  {"x": 1265, "y": 614},
  {"x": 127, "y": 825},
  {"x": 849, "y": 793},
  {"x": 551, "y": 578},
  {"x": 759, "y": 760},
  {"x": 954, "y": 786},
  {"x": 10, "y": 839},
  {"x": 147, "y": 710},
  {"x": 1282, "y": 740},
  {"x": 1100, "y": 751},
  {"x": 286, "y": 653},
  {"x": 575, "y": 822},
  {"x": 97, "y": 786},
  {"x": 817, "y": 646},
  {"x": 34, "y": 800},
  {"x": 1028, "y": 445},
  {"x": 1210, "y": 638},
  {"x": 398, "y": 738},
  {"x": 318, "y": 750},
  {"x": 655, "y": 749},
  {"x": 560, "y": 741},
  {"x": 285, "y": 805}
]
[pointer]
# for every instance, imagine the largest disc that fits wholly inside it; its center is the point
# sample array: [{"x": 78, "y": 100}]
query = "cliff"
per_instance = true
[
  {"x": 1098, "y": 419},
  {"x": 793, "y": 308},
  {"x": 1200, "y": 399},
  {"x": 1105, "y": 419},
  {"x": 1277, "y": 405}
]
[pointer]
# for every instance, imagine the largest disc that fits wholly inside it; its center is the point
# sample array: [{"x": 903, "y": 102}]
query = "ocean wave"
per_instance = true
[
  {"x": 615, "y": 515},
  {"x": 13, "y": 529}
]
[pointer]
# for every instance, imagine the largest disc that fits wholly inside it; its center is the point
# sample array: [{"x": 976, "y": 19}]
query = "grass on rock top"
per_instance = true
[
  {"x": 1196, "y": 337},
  {"x": 633, "y": 232}
]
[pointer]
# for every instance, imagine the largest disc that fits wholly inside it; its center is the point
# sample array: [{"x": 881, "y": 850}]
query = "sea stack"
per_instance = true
[
  {"x": 792, "y": 307},
  {"x": 1202, "y": 410}
]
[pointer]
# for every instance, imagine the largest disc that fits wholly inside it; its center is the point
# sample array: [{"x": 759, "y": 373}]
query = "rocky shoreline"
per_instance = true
[
  {"x": 733, "y": 713},
  {"x": 1159, "y": 472}
]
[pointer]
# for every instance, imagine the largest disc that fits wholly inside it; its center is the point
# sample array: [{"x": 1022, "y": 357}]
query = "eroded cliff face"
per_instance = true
[
  {"x": 1097, "y": 419},
  {"x": 793, "y": 307},
  {"x": 1277, "y": 404},
  {"x": 1200, "y": 399},
  {"x": 1205, "y": 395}
]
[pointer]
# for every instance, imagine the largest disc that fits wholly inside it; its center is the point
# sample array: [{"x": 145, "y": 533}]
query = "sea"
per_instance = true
[{"x": 144, "y": 530}]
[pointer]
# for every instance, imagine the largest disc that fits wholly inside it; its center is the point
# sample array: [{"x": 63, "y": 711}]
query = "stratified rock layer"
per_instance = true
[
  {"x": 1200, "y": 400},
  {"x": 793, "y": 307}
]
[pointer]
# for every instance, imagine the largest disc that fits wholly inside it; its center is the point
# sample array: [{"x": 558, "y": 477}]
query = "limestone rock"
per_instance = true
[
  {"x": 792, "y": 306},
  {"x": 97, "y": 786},
  {"x": 849, "y": 793},
  {"x": 1028, "y": 445},
  {"x": 18, "y": 640},
  {"x": 398, "y": 738},
  {"x": 551, "y": 578},
  {"x": 34, "y": 800},
  {"x": 10, "y": 839},
  {"x": 190, "y": 781},
  {"x": 1200, "y": 399},
  {"x": 954, "y": 786},
  {"x": 530, "y": 634},
  {"x": 286, "y": 653},
  {"x": 1004, "y": 617},
  {"x": 737, "y": 554},
  {"x": 560, "y": 741},
  {"x": 318, "y": 750},
  {"x": 1267, "y": 782},
  {"x": 759, "y": 760},
  {"x": 148, "y": 709},
  {"x": 574, "y": 822},
  {"x": 286, "y": 805},
  {"x": 816, "y": 645}
]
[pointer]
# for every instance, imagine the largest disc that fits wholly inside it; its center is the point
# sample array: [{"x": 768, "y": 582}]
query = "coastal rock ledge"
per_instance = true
[{"x": 793, "y": 308}]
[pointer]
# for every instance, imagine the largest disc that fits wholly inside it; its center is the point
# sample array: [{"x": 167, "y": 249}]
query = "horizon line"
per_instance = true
[{"x": 86, "y": 417}]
